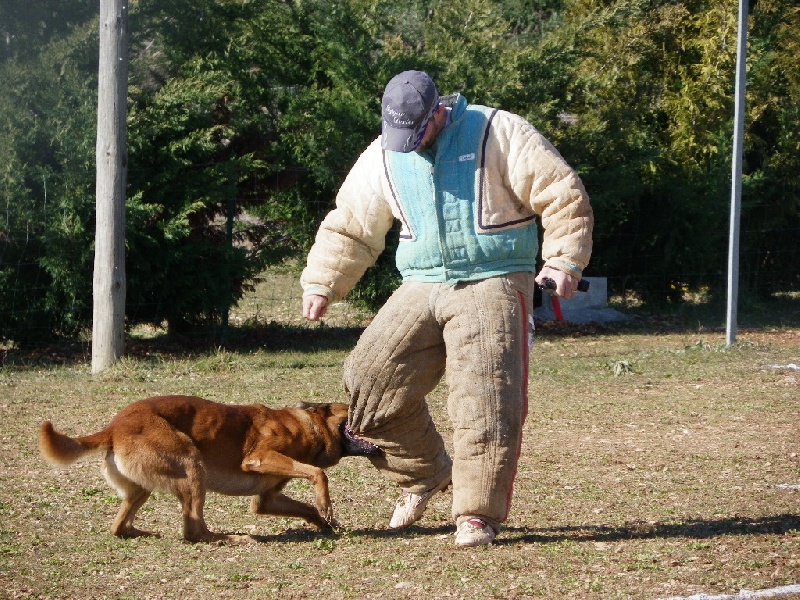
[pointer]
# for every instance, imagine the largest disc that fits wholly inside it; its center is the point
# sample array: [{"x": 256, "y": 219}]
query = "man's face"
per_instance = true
[{"x": 432, "y": 130}]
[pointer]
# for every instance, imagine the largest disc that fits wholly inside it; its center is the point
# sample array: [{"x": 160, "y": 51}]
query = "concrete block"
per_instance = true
[{"x": 585, "y": 307}]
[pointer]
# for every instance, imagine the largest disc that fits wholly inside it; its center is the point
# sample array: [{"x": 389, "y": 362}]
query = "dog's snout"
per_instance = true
[{"x": 354, "y": 445}]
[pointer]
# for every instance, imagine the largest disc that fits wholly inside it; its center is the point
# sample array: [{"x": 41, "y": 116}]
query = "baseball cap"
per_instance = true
[{"x": 408, "y": 104}]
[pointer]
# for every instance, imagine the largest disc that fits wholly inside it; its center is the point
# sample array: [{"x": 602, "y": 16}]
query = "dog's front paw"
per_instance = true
[
  {"x": 332, "y": 522},
  {"x": 327, "y": 515},
  {"x": 327, "y": 520}
]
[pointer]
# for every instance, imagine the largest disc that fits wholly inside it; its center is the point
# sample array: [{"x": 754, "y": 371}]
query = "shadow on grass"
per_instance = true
[
  {"x": 321, "y": 537},
  {"x": 318, "y": 337},
  {"x": 692, "y": 529},
  {"x": 752, "y": 314},
  {"x": 271, "y": 338}
]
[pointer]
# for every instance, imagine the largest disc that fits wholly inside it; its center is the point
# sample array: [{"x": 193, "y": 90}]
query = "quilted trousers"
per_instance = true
[{"x": 478, "y": 333}]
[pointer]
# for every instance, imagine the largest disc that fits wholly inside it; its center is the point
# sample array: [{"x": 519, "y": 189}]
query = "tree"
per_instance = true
[
  {"x": 47, "y": 184},
  {"x": 257, "y": 109},
  {"x": 28, "y": 25},
  {"x": 264, "y": 117},
  {"x": 653, "y": 97}
]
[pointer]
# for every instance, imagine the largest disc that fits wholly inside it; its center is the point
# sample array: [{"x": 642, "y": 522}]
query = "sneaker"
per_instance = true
[
  {"x": 474, "y": 532},
  {"x": 410, "y": 507}
]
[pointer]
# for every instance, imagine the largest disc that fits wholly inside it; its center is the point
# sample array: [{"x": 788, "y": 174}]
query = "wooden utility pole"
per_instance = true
[{"x": 109, "y": 286}]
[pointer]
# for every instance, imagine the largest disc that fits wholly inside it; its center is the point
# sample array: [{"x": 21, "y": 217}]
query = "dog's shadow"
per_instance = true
[
  {"x": 308, "y": 535},
  {"x": 691, "y": 528}
]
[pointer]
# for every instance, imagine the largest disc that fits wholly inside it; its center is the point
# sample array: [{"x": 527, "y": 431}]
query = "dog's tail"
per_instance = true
[{"x": 62, "y": 450}]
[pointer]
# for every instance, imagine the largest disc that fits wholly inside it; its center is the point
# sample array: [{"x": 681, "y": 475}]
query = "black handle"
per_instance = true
[{"x": 549, "y": 284}]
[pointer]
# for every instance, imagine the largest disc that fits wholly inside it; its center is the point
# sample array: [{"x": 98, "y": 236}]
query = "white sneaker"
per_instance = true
[
  {"x": 474, "y": 532},
  {"x": 410, "y": 506}
]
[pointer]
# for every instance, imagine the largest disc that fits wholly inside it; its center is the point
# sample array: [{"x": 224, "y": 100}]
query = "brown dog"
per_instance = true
[{"x": 186, "y": 445}]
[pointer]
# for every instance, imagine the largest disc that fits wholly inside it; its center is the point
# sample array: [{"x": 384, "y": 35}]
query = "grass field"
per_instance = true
[{"x": 657, "y": 463}]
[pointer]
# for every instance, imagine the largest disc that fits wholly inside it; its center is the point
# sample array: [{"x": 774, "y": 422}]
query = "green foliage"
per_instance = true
[
  {"x": 256, "y": 109},
  {"x": 772, "y": 150},
  {"x": 268, "y": 113},
  {"x": 653, "y": 100},
  {"x": 46, "y": 181},
  {"x": 28, "y": 25}
]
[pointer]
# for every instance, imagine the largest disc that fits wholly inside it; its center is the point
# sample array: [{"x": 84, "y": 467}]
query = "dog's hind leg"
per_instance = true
[
  {"x": 123, "y": 523},
  {"x": 192, "y": 497},
  {"x": 181, "y": 470},
  {"x": 166, "y": 460},
  {"x": 133, "y": 497},
  {"x": 279, "y": 505}
]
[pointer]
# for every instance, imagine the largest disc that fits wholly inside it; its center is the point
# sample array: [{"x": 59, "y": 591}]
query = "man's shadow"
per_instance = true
[
  {"x": 637, "y": 530},
  {"x": 693, "y": 528}
]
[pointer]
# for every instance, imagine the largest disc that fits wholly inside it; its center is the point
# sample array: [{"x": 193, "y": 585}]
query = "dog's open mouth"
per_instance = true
[{"x": 356, "y": 446}]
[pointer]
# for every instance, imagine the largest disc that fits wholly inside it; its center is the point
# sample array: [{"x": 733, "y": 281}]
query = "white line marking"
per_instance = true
[
  {"x": 778, "y": 591},
  {"x": 788, "y": 486}
]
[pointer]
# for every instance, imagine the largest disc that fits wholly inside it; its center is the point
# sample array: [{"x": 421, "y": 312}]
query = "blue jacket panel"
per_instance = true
[{"x": 439, "y": 194}]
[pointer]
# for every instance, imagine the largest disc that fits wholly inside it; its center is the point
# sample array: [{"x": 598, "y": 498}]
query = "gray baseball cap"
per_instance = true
[{"x": 408, "y": 104}]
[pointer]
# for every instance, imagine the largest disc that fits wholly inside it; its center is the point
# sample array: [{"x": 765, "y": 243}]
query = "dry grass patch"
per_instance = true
[{"x": 659, "y": 479}]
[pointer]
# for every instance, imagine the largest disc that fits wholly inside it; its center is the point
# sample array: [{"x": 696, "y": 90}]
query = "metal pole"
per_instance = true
[{"x": 736, "y": 174}]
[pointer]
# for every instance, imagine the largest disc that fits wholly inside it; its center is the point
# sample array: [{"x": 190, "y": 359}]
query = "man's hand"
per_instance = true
[
  {"x": 566, "y": 285},
  {"x": 314, "y": 307}
]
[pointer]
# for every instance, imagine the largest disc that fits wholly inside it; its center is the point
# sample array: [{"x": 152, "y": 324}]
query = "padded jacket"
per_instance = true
[{"x": 467, "y": 207}]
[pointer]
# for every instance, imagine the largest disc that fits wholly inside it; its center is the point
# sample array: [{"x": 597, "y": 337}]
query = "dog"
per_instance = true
[{"x": 187, "y": 445}]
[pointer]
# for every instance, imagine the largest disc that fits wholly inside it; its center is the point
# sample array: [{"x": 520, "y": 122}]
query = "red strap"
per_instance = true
[{"x": 557, "y": 308}]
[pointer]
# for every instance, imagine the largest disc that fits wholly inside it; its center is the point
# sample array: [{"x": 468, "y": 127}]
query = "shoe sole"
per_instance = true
[{"x": 474, "y": 543}]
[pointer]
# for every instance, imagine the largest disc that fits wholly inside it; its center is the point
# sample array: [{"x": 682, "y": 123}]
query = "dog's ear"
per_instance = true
[{"x": 304, "y": 405}]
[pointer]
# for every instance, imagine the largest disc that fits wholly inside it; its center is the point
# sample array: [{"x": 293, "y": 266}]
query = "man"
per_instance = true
[{"x": 466, "y": 183}]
